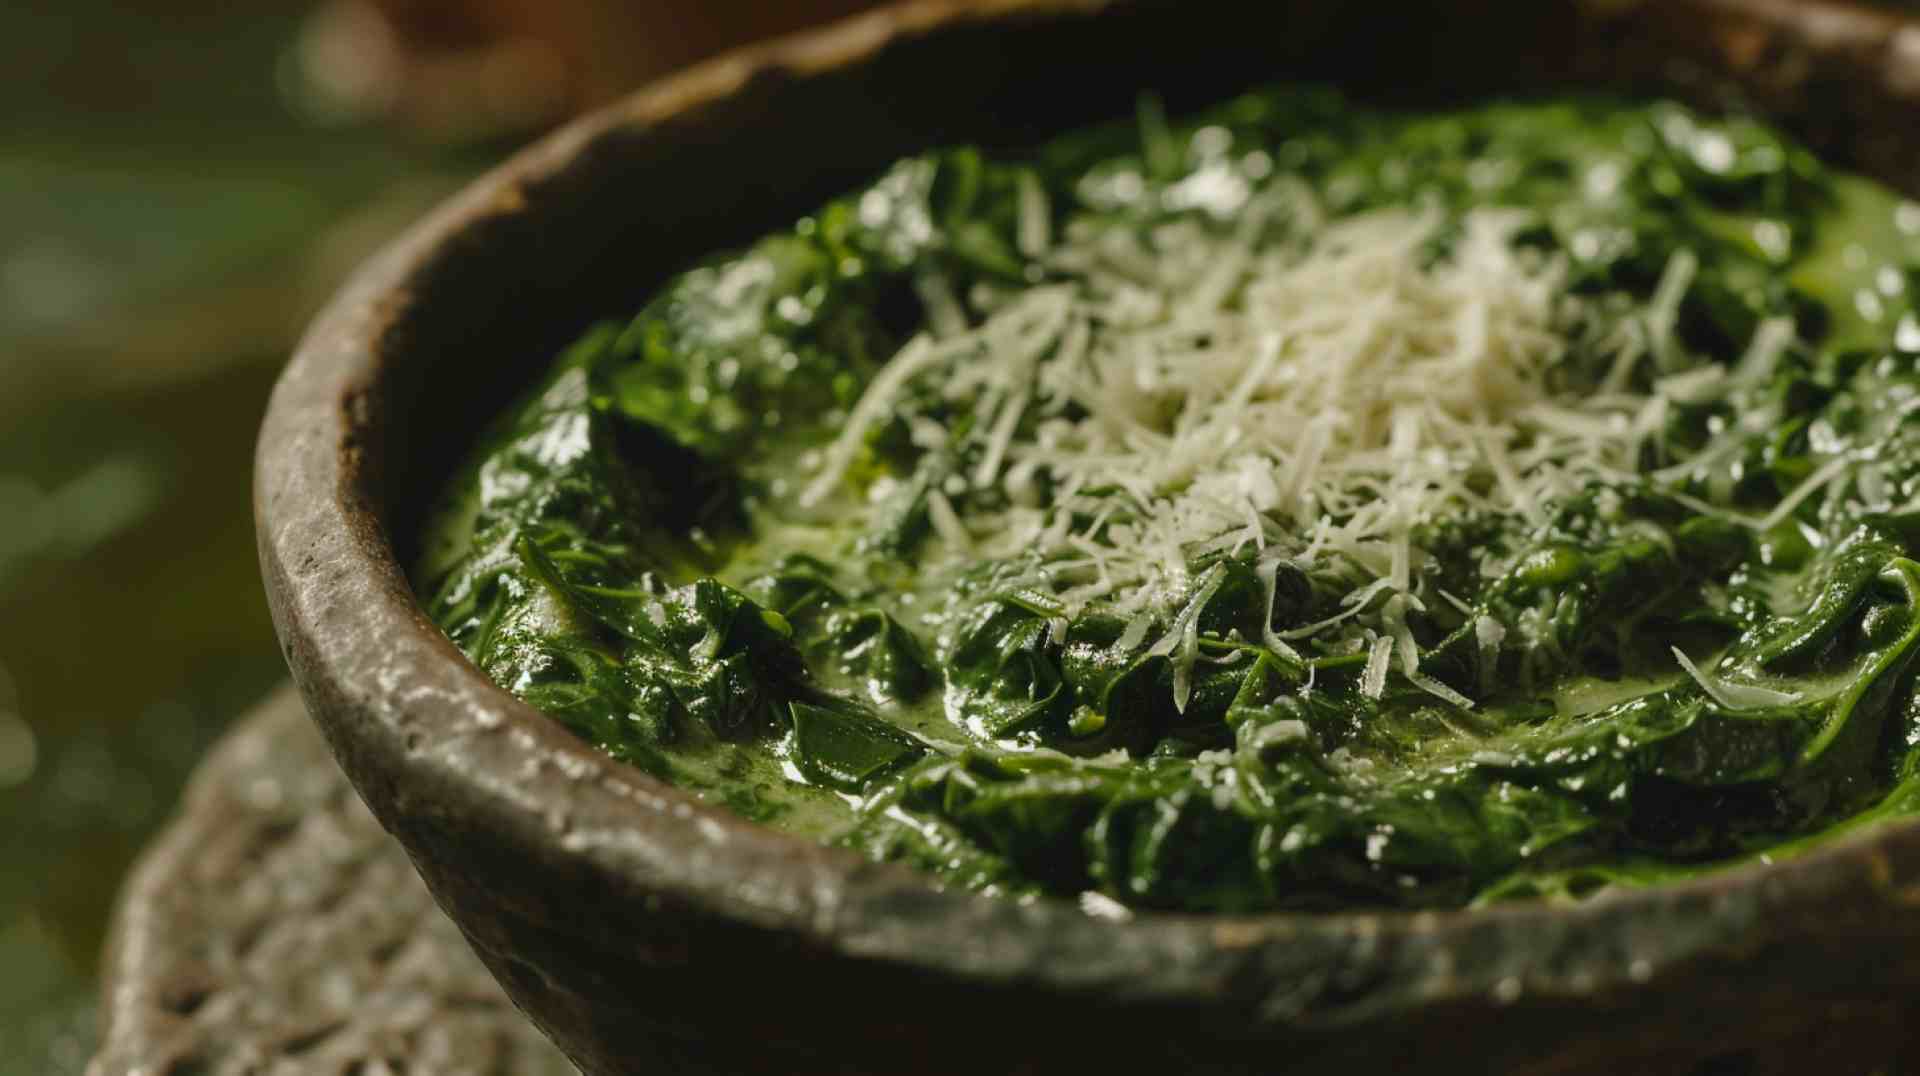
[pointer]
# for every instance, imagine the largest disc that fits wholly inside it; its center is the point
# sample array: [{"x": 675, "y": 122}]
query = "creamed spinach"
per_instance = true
[{"x": 1299, "y": 505}]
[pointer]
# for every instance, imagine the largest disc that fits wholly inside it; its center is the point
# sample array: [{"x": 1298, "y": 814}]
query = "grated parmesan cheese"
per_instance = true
[
  {"x": 1334, "y": 397},
  {"x": 1373, "y": 679},
  {"x": 1734, "y": 696},
  {"x": 1308, "y": 390}
]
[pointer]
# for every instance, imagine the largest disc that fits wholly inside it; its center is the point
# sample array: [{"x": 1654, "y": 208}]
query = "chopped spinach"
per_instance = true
[{"x": 709, "y": 543}]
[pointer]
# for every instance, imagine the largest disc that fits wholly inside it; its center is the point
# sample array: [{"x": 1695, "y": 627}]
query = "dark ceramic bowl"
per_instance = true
[{"x": 645, "y": 931}]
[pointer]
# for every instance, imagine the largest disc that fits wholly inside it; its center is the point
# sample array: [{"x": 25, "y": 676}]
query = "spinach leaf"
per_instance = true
[
  {"x": 841, "y": 747},
  {"x": 1003, "y": 673}
]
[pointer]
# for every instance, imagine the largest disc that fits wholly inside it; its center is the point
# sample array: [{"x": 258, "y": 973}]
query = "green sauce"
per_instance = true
[{"x": 1297, "y": 506}]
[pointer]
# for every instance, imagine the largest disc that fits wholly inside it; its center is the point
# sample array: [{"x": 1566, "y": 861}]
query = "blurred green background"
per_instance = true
[
  {"x": 182, "y": 183},
  {"x": 169, "y": 215}
]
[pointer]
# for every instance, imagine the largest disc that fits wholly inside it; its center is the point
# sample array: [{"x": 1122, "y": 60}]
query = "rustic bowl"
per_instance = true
[{"x": 645, "y": 931}]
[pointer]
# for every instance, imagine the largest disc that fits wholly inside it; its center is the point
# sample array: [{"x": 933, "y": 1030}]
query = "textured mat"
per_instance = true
[{"x": 274, "y": 928}]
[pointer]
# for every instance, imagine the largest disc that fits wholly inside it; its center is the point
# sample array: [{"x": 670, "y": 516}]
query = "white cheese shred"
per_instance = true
[
  {"x": 945, "y": 315},
  {"x": 1434, "y": 687},
  {"x": 1489, "y": 633},
  {"x": 1035, "y": 233},
  {"x": 1814, "y": 483},
  {"x": 1269, "y": 573},
  {"x": 1195, "y": 387},
  {"x": 912, "y": 360},
  {"x": 1373, "y": 679},
  {"x": 946, "y": 522},
  {"x": 1734, "y": 696},
  {"x": 1181, "y": 643},
  {"x": 1663, "y": 312}
]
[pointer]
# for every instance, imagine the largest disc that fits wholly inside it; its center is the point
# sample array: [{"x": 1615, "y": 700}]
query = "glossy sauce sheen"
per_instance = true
[{"x": 829, "y": 534}]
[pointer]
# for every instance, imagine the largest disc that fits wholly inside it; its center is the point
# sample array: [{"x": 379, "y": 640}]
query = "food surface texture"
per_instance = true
[{"x": 1296, "y": 505}]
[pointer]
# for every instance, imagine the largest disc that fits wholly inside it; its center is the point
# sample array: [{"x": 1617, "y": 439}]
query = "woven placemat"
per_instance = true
[{"x": 273, "y": 927}]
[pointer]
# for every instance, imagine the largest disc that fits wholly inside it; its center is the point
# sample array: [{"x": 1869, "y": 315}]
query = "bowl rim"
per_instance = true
[{"x": 401, "y": 706}]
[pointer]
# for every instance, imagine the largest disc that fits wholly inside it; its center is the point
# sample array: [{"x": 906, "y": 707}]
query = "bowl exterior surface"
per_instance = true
[{"x": 647, "y": 932}]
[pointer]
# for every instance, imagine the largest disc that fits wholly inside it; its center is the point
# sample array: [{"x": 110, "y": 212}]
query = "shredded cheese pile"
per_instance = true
[
  {"x": 1322, "y": 401},
  {"x": 1306, "y": 389}
]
